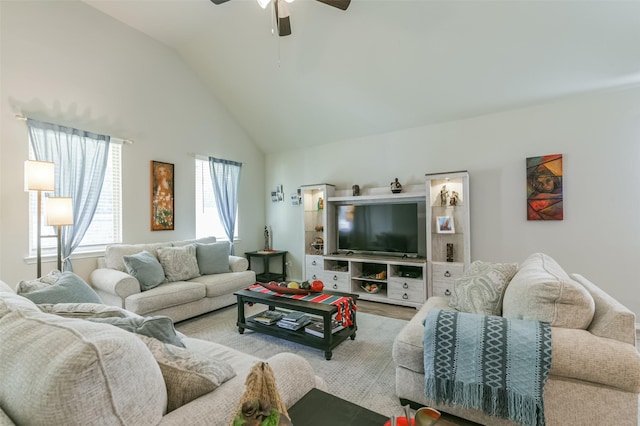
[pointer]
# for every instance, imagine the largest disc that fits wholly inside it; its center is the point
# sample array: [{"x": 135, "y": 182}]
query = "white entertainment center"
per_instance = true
[{"x": 396, "y": 278}]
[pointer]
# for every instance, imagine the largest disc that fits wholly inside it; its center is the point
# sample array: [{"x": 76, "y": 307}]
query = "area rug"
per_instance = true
[{"x": 361, "y": 370}]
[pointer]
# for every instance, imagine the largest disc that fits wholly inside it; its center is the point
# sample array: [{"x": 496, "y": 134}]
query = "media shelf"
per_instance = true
[
  {"x": 448, "y": 230},
  {"x": 401, "y": 281}
]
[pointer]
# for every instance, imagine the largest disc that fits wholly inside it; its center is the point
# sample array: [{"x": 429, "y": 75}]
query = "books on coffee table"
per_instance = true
[
  {"x": 316, "y": 328},
  {"x": 291, "y": 324},
  {"x": 268, "y": 317}
]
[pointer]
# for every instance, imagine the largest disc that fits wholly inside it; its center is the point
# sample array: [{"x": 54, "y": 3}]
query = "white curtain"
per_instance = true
[
  {"x": 80, "y": 160},
  {"x": 225, "y": 176}
]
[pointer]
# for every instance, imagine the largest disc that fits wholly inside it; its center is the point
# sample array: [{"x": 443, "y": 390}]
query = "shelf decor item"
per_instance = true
[
  {"x": 396, "y": 187},
  {"x": 445, "y": 225},
  {"x": 162, "y": 196},
  {"x": 449, "y": 252}
]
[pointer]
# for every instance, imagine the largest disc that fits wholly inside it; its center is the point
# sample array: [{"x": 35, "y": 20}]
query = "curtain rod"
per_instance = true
[
  {"x": 206, "y": 157},
  {"x": 124, "y": 141}
]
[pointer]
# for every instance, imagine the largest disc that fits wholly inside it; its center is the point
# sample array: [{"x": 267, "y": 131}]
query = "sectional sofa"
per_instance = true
[
  {"x": 595, "y": 369},
  {"x": 59, "y": 367},
  {"x": 197, "y": 277}
]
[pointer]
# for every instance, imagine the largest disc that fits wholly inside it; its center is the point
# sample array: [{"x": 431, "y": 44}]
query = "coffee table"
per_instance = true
[
  {"x": 318, "y": 408},
  {"x": 325, "y": 311}
]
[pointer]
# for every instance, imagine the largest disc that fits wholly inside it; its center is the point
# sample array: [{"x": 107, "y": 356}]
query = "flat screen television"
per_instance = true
[{"x": 382, "y": 228}]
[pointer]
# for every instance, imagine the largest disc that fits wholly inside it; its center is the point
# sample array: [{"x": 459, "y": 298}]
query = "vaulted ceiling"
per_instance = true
[{"x": 386, "y": 65}]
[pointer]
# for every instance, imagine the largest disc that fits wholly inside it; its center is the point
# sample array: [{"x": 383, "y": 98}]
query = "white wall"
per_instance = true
[
  {"x": 598, "y": 135},
  {"x": 67, "y": 63}
]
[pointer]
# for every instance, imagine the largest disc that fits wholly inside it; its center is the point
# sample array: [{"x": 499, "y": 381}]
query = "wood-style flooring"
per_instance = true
[{"x": 386, "y": 309}]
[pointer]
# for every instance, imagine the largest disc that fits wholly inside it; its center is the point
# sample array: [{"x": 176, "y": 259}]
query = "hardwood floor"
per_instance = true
[{"x": 386, "y": 310}]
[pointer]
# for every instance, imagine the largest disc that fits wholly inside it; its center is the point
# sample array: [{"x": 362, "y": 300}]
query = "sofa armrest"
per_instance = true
[
  {"x": 114, "y": 282},
  {"x": 580, "y": 355},
  {"x": 238, "y": 264}
]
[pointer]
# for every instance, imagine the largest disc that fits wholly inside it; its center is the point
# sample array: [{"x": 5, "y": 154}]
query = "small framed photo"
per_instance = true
[
  {"x": 274, "y": 197},
  {"x": 445, "y": 225},
  {"x": 294, "y": 199}
]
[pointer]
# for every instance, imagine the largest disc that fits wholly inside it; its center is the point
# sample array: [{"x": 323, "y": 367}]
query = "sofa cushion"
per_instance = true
[
  {"x": 164, "y": 296},
  {"x": 541, "y": 290},
  {"x": 39, "y": 283},
  {"x": 481, "y": 288},
  {"x": 213, "y": 258},
  {"x": 82, "y": 373},
  {"x": 146, "y": 268},
  {"x": 114, "y": 253},
  {"x": 69, "y": 288},
  {"x": 158, "y": 327},
  {"x": 223, "y": 284},
  {"x": 179, "y": 263},
  {"x": 187, "y": 374}
]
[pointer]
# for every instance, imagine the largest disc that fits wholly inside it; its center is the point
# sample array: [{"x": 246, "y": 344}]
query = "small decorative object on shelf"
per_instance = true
[
  {"x": 453, "y": 201},
  {"x": 356, "y": 190},
  {"x": 444, "y": 194},
  {"x": 396, "y": 187},
  {"x": 319, "y": 228},
  {"x": 449, "y": 252},
  {"x": 267, "y": 239},
  {"x": 320, "y": 203}
]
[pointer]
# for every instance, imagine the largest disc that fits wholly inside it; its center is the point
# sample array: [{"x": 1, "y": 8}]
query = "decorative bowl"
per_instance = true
[
  {"x": 286, "y": 290},
  {"x": 377, "y": 289}
]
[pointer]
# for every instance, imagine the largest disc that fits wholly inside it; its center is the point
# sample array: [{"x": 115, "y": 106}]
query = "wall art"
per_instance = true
[
  {"x": 445, "y": 225},
  {"x": 162, "y": 196},
  {"x": 544, "y": 188}
]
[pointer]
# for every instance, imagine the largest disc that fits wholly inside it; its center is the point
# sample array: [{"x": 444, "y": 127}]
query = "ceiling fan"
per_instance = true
[{"x": 282, "y": 12}]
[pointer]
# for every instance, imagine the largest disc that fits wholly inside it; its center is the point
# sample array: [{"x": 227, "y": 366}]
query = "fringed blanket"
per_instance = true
[
  {"x": 346, "y": 306},
  {"x": 488, "y": 363}
]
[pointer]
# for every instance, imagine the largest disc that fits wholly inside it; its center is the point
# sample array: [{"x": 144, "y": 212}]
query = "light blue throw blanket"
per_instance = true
[{"x": 488, "y": 363}]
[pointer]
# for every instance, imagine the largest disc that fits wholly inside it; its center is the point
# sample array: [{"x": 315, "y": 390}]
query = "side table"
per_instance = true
[{"x": 266, "y": 256}]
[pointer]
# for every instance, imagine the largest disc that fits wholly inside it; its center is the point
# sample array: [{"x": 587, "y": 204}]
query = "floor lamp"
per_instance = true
[
  {"x": 39, "y": 176},
  {"x": 59, "y": 214}
]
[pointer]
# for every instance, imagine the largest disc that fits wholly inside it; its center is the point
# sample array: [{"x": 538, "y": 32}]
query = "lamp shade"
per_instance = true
[
  {"x": 38, "y": 176},
  {"x": 59, "y": 211}
]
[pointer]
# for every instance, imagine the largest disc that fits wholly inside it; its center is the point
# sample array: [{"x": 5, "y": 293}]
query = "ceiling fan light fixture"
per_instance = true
[{"x": 264, "y": 3}]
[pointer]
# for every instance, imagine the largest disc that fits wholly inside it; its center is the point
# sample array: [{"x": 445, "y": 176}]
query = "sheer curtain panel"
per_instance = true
[
  {"x": 80, "y": 159},
  {"x": 225, "y": 175}
]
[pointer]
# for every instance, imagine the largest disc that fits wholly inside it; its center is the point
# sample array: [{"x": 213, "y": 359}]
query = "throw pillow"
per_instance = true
[
  {"x": 158, "y": 327},
  {"x": 69, "y": 288},
  {"x": 39, "y": 283},
  {"x": 145, "y": 268},
  {"x": 179, "y": 263},
  {"x": 84, "y": 310},
  {"x": 213, "y": 258},
  {"x": 481, "y": 288},
  {"x": 541, "y": 290},
  {"x": 187, "y": 375}
]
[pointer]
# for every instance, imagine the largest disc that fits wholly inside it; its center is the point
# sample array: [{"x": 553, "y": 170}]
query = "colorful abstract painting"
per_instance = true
[{"x": 544, "y": 188}]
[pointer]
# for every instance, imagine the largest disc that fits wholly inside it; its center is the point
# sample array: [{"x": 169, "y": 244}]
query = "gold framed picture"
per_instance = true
[{"x": 162, "y": 196}]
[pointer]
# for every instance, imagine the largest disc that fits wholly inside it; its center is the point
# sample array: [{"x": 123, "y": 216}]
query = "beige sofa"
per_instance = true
[
  {"x": 595, "y": 372},
  {"x": 178, "y": 300},
  {"x": 63, "y": 370}
]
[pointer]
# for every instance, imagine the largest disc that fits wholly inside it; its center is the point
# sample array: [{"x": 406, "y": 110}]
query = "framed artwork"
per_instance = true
[
  {"x": 445, "y": 225},
  {"x": 162, "y": 196},
  {"x": 544, "y": 188}
]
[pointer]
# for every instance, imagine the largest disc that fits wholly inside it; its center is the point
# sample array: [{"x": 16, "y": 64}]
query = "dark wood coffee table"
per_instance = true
[
  {"x": 318, "y": 408},
  {"x": 323, "y": 310}
]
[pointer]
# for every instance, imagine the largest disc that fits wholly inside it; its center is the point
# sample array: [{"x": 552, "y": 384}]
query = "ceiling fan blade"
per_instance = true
[
  {"x": 340, "y": 4},
  {"x": 282, "y": 18},
  {"x": 219, "y": 1}
]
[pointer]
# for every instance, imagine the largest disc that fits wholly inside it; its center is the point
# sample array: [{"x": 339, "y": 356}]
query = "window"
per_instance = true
[
  {"x": 106, "y": 226},
  {"x": 207, "y": 219}
]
